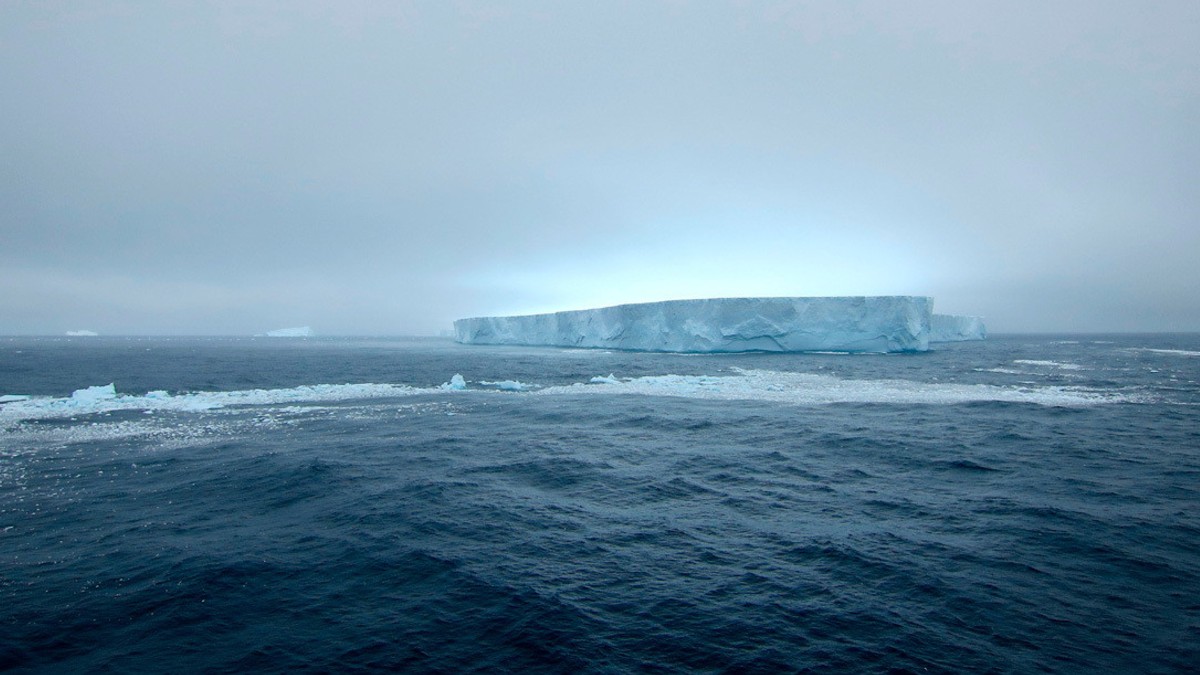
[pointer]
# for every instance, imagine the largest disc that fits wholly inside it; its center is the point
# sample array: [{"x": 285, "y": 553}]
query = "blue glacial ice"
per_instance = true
[
  {"x": 841, "y": 324},
  {"x": 456, "y": 383}
]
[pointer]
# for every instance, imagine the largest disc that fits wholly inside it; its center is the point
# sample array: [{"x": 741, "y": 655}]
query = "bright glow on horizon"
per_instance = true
[{"x": 777, "y": 261}]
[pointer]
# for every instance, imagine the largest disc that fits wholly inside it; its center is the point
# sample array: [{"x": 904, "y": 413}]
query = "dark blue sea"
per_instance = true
[{"x": 1023, "y": 504}]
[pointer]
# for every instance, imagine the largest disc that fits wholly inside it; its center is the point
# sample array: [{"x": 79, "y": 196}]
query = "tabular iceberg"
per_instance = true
[
  {"x": 843, "y": 324},
  {"x": 298, "y": 331},
  {"x": 954, "y": 328}
]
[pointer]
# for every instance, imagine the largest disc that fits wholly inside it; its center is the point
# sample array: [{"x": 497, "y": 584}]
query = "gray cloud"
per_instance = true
[{"x": 372, "y": 167}]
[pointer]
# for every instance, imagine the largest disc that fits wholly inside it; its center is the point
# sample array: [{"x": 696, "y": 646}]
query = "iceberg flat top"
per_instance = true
[{"x": 779, "y": 324}]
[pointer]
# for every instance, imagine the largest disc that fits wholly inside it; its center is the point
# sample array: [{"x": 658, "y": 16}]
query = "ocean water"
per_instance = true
[{"x": 1024, "y": 504}]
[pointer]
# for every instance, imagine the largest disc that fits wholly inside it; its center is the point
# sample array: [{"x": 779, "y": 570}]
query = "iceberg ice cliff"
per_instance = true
[
  {"x": 955, "y": 328},
  {"x": 842, "y": 324}
]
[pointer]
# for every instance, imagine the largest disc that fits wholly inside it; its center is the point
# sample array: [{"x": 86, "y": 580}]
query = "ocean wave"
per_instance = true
[
  {"x": 1050, "y": 364},
  {"x": 1172, "y": 352},
  {"x": 166, "y": 430}
]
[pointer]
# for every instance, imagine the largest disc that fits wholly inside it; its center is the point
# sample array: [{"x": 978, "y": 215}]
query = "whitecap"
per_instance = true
[
  {"x": 1050, "y": 364},
  {"x": 1172, "y": 352}
]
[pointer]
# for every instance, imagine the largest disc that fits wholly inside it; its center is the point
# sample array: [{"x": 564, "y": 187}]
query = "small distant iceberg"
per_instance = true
[
  {"x": 956, "y": 328},
  {"x": 82, "y": 333},
  {"x": 298, "y": 331},
  {"x": 101, "y": 392}
]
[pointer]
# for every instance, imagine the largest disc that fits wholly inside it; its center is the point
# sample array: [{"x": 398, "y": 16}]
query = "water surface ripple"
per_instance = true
[{"x": 1021, "y": 505}]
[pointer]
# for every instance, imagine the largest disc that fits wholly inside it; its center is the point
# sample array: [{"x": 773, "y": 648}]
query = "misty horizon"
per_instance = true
[{"x": 373, "y": 168}]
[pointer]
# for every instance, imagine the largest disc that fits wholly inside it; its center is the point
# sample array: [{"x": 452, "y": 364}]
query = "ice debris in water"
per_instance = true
[
  {"x": 13, "y": 398},
  {"x": 104, "y": 399},
  {"x": 815, "y": 389},
  {"x": 456, "y": 383},
  {"x": 507, "y": 385},
  {"x": 600, "y": 379}
]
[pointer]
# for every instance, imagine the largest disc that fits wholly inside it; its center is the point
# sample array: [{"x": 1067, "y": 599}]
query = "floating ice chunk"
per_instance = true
[
  {"x": 97, "y": 393},
  {"x": 601, "y": 379},
  {"x": 844, "y": 324},
  {"x": 298, "y": 331},
  {"x": 13, "y": 398},
  {"x": 456, "y": 383},
  {"x": 82, "y": 333}
]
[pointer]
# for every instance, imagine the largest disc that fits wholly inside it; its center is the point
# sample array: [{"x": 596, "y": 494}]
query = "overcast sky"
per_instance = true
[{"x": 387, "y": 167}]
